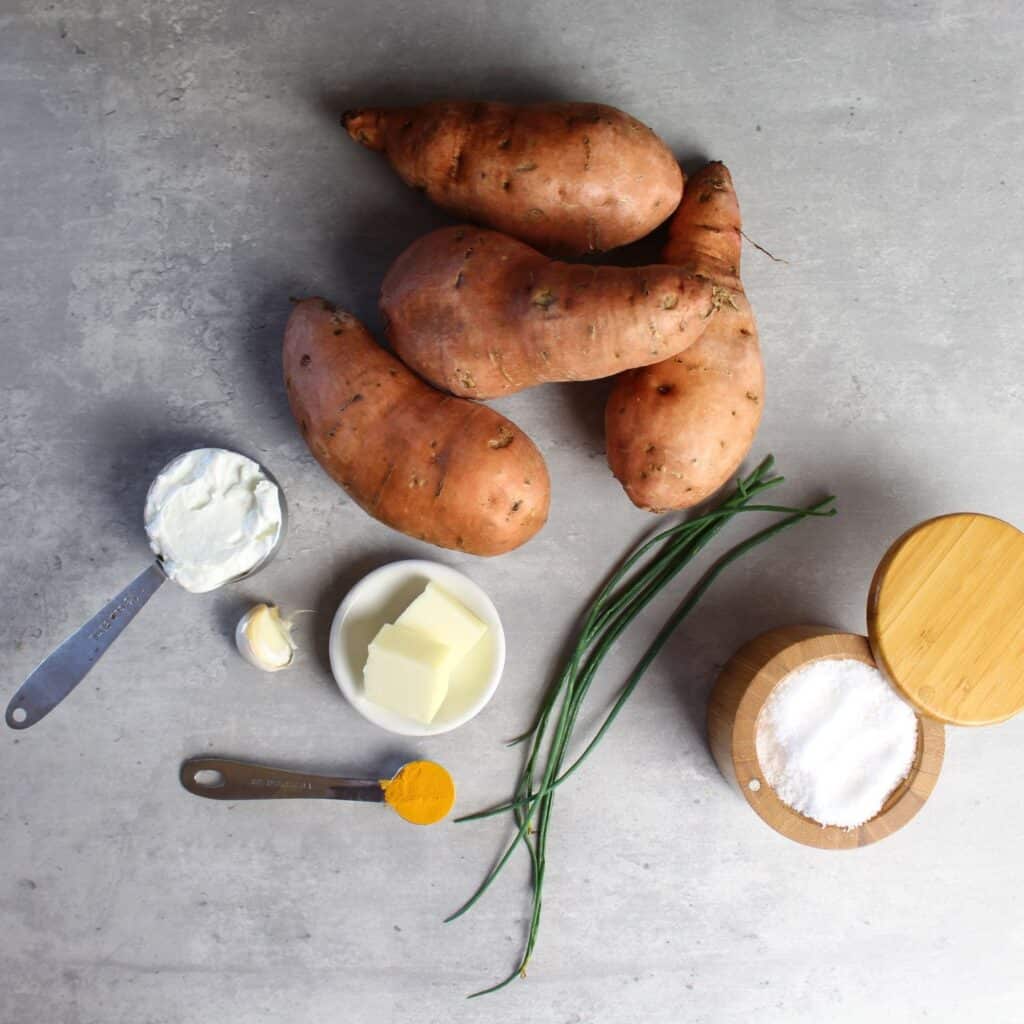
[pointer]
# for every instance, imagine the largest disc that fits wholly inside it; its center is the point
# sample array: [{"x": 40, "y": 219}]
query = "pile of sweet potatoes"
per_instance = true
[{"x": 482, "y": 309}]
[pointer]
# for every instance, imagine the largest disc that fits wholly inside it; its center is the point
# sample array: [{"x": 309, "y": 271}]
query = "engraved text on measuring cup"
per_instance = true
[{"x": 129, "y": 601}]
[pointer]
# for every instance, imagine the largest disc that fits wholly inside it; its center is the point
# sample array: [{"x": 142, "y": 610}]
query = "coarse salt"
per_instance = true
[{"x": 834, "y": 740}]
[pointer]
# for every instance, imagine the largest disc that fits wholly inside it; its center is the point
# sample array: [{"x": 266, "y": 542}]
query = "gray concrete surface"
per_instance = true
[{"x": 169, "y": 175}]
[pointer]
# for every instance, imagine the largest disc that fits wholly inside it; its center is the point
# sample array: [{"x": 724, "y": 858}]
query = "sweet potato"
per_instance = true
[
  {"x": 566, "y": 177},
  {"x": 677, "y": 431},
  {"x": 480, "y": 314},
  {"x": 447, "y": 471}
]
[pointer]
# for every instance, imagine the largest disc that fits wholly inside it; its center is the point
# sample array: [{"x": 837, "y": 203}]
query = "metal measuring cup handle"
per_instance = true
[{"x": 70, "y": 663}]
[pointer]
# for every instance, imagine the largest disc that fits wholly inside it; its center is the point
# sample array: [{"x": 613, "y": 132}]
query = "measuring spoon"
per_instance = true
[
  {"x": 220, "y": 779},
  {"x": 68, "y": 665}
]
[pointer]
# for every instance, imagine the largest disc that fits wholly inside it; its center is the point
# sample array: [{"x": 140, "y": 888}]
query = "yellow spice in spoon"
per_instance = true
[{"x": 422, "y": 792}]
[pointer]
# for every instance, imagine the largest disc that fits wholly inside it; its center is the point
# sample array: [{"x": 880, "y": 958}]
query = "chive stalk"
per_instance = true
[{"x": 630, "y": 588}]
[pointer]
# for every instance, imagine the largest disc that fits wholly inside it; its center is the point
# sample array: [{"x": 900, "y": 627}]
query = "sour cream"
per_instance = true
[{"x": 212, "y": 515}]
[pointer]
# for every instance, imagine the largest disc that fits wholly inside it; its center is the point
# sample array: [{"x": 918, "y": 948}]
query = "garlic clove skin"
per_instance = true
[{"x": 264, "y": 638}]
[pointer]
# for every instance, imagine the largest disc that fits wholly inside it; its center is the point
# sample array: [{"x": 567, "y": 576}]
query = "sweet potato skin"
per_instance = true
[
  {"x": 676, "y": 431},
  {"x": 441, "y": 469},
  {"x": 481, "y": 315},
  {"x": 565, "y": 177}
]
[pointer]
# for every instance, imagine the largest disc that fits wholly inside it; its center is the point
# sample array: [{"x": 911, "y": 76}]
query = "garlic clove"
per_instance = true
[{"x": 264, "y": 638}]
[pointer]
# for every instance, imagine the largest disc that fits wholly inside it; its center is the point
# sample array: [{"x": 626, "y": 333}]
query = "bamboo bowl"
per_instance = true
[{"x": 736, "y": 701}]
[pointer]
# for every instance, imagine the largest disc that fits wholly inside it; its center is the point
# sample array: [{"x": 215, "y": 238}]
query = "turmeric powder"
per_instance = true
[{"x": 422, "y": 792}]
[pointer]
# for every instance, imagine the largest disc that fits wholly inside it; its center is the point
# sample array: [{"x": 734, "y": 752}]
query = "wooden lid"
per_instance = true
[{"x": 946, "y": 618}]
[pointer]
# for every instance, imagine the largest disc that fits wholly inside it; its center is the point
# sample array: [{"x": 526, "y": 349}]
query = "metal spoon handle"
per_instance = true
[
  {"x": 220, "y": 779},
  {"x": 69, "y": 664}
]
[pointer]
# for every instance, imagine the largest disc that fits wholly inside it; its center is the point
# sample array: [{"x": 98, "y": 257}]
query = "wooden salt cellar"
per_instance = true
[{"x": 945, "y": 626}]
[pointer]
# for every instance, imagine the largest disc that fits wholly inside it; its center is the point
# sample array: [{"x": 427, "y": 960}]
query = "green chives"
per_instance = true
[{"x": 635, "y": 583}]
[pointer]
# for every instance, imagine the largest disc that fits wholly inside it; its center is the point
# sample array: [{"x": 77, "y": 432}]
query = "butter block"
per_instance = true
[
  {"x": 438, "y": 615},
  {"x": 407, "y": 672}
]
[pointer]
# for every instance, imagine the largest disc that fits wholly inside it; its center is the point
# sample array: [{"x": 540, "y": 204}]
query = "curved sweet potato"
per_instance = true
[
  {"x": 567, "y": 177},
  {"x": 677, "y": 431},
  {"x": 447, "y": 471},
  {"x": 480, "y": 314}
]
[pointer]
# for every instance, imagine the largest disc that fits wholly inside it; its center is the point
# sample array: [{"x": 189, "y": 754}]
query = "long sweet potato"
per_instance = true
[
  {"x": 677, "y": 431},
  {"x": 447, "y": 471},
  {"x": 480, "y": 314},
  {"x": 566, "y": 177}
]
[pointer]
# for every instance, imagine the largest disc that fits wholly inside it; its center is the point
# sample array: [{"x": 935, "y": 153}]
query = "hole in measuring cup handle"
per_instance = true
[{"x": 21, "y": 713}]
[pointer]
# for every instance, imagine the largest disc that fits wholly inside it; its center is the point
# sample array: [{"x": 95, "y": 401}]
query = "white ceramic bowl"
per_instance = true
[{"x": 380, "y": 598}]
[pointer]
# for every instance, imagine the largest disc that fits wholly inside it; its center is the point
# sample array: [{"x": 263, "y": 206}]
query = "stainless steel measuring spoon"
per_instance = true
[
  {"x": 218, "y": 778},
  {"x": 69, "y": 664}
]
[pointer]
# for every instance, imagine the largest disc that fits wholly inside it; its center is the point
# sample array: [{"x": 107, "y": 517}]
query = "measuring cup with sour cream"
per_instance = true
[{"x": 213, "y": 517}]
